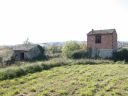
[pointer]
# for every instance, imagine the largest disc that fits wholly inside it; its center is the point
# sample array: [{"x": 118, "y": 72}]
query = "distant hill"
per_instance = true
[
  {"x": 57, "y": 43},
  {"x": 51, "y": 44}
]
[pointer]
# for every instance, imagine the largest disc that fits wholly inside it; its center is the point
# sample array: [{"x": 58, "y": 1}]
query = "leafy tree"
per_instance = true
[
  {"x": 69, "y": 47},
  {"x": 54, "y": 49},
  {"x": 83, "y": 45}
]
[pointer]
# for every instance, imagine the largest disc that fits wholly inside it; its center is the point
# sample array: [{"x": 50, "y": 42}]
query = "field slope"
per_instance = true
[{"x": 73, "y": 80}]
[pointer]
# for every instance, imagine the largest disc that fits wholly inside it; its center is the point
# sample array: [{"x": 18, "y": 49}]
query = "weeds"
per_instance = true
[
  {"x": 26, "y": 68},
  {"x": 73, "y": 80}
]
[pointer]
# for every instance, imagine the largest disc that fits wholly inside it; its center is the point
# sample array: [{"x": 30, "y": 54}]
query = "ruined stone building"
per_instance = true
[{"x": 27, "y": 51}]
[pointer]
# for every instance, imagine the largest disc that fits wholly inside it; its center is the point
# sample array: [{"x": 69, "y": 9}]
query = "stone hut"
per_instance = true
[
  {"x": 27, "y": 51},
  {"x": 102, "y": 43}
]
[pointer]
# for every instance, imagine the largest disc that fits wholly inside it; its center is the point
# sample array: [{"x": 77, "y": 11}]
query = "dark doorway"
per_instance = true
[{"x": 22, "y": 56}]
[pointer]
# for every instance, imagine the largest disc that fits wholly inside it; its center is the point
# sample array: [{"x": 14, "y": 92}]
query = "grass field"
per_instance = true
[{"x": 71, "y": 80}]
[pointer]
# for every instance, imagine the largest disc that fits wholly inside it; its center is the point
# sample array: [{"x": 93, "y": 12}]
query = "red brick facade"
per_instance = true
[{"x": 108, "y": 39}]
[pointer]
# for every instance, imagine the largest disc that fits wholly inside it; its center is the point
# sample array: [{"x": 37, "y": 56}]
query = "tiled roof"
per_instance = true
[{"x": 106, "y": 31}]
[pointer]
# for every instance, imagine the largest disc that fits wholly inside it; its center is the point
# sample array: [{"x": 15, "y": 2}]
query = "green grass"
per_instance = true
[
  {"x": 21, "y": 69},
  {"x": 71, "y": 80}
]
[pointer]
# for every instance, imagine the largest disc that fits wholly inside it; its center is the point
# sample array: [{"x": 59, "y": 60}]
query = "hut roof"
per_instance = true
[
  {"x": 24, "y": 47},
  {"x": 105, "y": 31}
]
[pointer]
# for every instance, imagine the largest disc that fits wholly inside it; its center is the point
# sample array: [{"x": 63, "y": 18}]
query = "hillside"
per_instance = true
[{"x": 71, "y": 80}]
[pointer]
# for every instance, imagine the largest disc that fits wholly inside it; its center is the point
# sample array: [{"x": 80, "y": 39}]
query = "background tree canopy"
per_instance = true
[{"x": 69, "y": 47}]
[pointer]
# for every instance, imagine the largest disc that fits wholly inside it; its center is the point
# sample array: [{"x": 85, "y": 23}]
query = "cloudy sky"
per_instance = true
[{"x": 60, "y": 20}]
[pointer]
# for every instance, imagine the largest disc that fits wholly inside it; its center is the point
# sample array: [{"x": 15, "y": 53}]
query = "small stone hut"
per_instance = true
[
  {"x": 27, "y": 51},
  {"x": 102, "y": 43}
]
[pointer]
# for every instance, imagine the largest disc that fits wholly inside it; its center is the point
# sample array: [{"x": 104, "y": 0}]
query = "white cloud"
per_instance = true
[{"x": 59, "y": 20}]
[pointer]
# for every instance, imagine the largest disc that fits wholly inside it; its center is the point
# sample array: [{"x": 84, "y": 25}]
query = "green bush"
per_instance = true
[
  {"x": 69, "y": 47},
  {"x": 42, "y": 55},
  {"x": 121, "y": 55},
  {"x": 53, "y": 51},
  {"x": 79, "y": 54}
]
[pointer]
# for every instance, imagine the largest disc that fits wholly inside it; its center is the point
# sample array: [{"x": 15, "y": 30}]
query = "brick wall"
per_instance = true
[
  {"x": 108, "y": 41},
  {"x": 114, "y": 40}
]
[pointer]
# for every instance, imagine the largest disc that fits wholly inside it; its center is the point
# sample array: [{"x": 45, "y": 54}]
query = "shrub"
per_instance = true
[
  {"x": 41, "y": 56},
  {"x": 79, "y": 54},
  {"x": 83, "y": 45},
  {"x": 69, "y": 47},
  {"x": 121, "y": 55},
  {"x": 53, "y": 51}
]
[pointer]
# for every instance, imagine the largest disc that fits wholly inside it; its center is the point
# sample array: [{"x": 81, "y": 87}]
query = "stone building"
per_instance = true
[
  {"x": 27, "y": 51},
  {"x": 102, "y": 43}
]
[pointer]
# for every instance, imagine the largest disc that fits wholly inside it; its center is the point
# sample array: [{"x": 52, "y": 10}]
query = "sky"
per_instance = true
[{"x": 60, "y": 20}]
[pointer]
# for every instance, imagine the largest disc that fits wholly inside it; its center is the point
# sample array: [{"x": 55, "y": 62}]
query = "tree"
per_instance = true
[
  {"x": 69, "y": 47},
  {"x": 83, "y": 45},
  {"x": 27, "y": 41},
  {"x": 54, "y": 49}
]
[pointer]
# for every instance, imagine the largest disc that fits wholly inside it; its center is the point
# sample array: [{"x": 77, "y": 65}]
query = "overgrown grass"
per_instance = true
[
  {"x": 17, "y": 71},
  {"x": 23, "y": 69},
  {"x": 71, "y": 80}
]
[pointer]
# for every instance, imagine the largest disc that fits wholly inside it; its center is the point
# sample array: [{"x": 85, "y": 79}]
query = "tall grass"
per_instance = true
[{"x": 17, "y": 71}]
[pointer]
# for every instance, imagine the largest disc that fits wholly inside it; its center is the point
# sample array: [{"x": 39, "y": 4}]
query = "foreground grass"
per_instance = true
[
  {"x": 21, "y": 69},
  {"x": 71, "y": 80}
]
